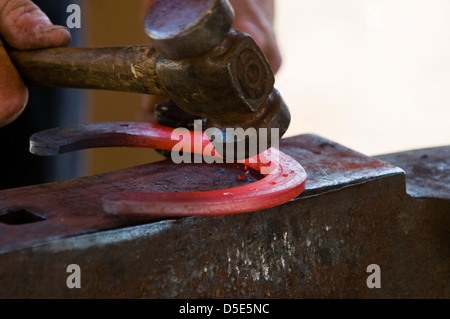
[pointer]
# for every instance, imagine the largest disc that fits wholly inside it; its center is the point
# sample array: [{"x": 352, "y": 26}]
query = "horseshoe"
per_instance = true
[{"x": 284, "y": 178}]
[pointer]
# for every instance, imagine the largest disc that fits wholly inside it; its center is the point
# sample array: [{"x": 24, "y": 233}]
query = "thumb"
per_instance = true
[
  {"x": 13, "y": 92},
  {"x": 24, "y": 26}
]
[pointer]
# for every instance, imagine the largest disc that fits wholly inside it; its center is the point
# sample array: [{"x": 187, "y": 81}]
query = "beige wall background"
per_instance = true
[
  {"x": 110, "y": 23},
  {"x": 373, "y": 75}
]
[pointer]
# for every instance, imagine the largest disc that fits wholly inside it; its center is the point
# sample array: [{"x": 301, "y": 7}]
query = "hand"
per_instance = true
[
  {"x": 23, "y": 26},
  {"x": 255, "y": 17}
]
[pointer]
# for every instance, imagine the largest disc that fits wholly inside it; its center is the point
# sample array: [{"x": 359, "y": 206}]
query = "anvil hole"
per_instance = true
[{"x": 19, "y": 217}]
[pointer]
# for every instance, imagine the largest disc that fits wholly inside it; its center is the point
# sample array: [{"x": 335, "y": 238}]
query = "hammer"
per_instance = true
[{"x": 207, "y": 69}]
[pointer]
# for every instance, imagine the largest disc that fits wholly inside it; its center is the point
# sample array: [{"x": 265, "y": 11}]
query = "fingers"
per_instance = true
[
  {"x": 13, "y": 92},
  {"x": 22, "y": 26},
  {"x": 256, "y": 18}
]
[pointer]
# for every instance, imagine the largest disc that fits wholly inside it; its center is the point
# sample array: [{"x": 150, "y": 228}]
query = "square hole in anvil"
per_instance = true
[{"x": 19, "y": 217}]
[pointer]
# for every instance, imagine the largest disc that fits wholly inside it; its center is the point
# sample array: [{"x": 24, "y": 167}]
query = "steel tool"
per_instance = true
[
  {"x": 207, "y": 68},
  {"x": 284, "y": 178}
]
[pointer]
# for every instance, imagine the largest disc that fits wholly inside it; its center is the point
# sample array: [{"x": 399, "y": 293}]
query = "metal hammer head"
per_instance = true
[{"x": 216, "y": 73}]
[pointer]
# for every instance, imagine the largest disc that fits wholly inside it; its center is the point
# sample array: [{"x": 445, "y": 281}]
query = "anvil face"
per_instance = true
[{"x": 355, "y": 211}]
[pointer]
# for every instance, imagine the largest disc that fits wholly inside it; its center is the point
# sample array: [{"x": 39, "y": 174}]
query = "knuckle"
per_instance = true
[
  {"x": 14, "y": 10},
  {"x": 20, "y": 22}
]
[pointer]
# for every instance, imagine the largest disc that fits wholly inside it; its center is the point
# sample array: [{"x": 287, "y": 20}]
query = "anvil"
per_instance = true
[{"x": 392, "y": 211}]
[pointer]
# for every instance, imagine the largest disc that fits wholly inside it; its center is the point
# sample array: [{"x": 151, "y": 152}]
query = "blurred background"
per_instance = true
[{"x": 372, "y": 75}]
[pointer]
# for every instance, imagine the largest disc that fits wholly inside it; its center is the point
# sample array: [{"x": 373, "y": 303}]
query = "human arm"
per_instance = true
[{"x": 23, "y": 26}]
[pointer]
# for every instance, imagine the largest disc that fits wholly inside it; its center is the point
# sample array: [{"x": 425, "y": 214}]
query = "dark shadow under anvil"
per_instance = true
[{"x": 355, "y": 211}]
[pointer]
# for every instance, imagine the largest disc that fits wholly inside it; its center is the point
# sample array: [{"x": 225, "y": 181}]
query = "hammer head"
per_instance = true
[{"x": 218, "y": 74}]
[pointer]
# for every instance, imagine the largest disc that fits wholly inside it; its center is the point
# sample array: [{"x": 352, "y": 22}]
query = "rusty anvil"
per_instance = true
[
  {"x": 391, "y": 210},
  {"x": 355, "y": 211},
  {"x": 210, "y": 71}
]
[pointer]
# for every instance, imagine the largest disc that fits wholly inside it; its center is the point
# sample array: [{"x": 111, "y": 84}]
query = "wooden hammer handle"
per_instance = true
[{"x": 126, "y": 68}]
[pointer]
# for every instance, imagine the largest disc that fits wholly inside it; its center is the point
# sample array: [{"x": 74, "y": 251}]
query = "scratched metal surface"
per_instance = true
[
  {"x": 316, "y": 246},
  {"x": 74, "y": 207},
  {"x": 331, "y": 166},
  {"x": 427, "y": 171}
]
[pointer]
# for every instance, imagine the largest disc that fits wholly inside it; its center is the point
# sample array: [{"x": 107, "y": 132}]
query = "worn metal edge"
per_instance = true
[
  {"x": 328, "y": 190},
  {"x": 111, "y": 236},
  {"x": 414, "y": 187},
  {"x": 97, "y": 238}
]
